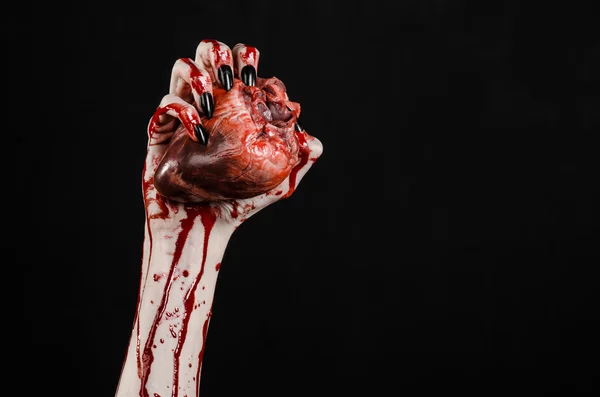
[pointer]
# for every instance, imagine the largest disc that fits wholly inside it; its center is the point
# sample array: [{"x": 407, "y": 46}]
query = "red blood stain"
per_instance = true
[
  {"x": 249, "y": 56},
  {"x": 234, "y": 211},
  {"x": 304, "y": 153},
  {"x": 208, "y": 218},
  {"x": 201, "y": 354},
  {"x": 218, "y": 266},
  {"x": 222, "y": 54},
  {"x": 185, "y": 273},
  {"x": 198, "y": 80},
  {"x": 163, "y": 213},
  {"x": 158, "y": 199},
  {"x": 147, "y": 356},
  {"x": 187, "y": 117}
]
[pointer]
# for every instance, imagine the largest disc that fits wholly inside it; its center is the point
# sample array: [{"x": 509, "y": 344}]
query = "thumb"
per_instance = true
[{"x": 311, "y": 150}]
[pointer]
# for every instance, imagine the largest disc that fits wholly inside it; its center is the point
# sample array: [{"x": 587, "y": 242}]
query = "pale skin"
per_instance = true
[{"x": 184, "y": 243}]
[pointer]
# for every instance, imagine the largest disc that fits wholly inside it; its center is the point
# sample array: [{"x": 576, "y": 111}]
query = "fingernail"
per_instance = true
[
  {"x": 207, "y": 104},
  {"x": 226, "y": 77},
  {"x": 201, "y": 134},
  {"x": 249, "y": 75}
]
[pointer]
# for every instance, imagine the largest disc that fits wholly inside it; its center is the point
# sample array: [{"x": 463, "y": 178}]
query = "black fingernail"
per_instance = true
[
  {"x": 201, "y": 134},
  {"x": 207, "y": 105},
  {"x": 226, "y": 77},
  {"x": 249, "y": 75}
]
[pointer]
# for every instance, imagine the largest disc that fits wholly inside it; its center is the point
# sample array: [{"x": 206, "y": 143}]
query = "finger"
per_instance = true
[
  {"x": 173, "y": 108},
  {"x": 245, "y": 59},
  {"x": 310, "y": 150},
  {"x": 191, "y": 83},
  {"x": 216, "y": 58}
]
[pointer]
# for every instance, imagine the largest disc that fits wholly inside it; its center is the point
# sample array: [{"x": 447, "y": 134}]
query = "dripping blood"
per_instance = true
[
  {"x": 148, "y": 356},
  {"x": 208, "y": 218},
  {"x": 304, "y": 154}
]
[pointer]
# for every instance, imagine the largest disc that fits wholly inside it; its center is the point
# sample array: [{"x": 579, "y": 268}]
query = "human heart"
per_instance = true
[{"x": 252, "y": 146}]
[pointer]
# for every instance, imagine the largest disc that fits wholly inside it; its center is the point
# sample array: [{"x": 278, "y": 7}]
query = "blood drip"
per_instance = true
[
  {"x": 208, "y": 218},
  {"x": 303, "y": 154}
]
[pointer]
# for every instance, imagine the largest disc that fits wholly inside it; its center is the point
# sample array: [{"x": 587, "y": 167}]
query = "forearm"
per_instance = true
[{"x": 179, "y": 274}]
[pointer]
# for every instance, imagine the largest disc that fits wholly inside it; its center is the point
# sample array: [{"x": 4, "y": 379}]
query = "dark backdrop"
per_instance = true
[{"x": 445, "y": 241}]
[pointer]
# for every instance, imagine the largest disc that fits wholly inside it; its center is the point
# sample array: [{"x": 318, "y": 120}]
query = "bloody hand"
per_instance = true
[
  {"x": 223, "y": 144},
  {"x": 222, "y": 133}
]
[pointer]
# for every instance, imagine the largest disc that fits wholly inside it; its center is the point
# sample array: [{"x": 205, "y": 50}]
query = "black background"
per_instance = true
[{"x": 446, "y": 240}]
